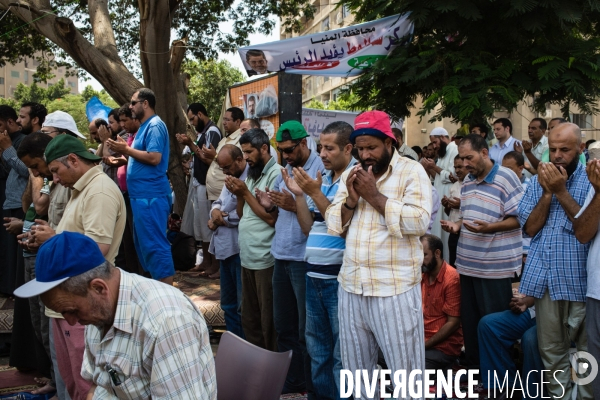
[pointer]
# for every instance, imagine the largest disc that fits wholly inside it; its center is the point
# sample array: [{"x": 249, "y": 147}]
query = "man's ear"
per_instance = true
[
  {"x": 98, "y": 286},
  {"x": 438, "y": 254}
]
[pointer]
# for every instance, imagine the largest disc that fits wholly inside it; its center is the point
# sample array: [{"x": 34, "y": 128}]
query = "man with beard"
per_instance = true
[
  {"x": 555, "y": 271},
  {"x": 442, "y": 171},
  {"x": 534, "y": 148},
  {"x": 31, "y": 117},
  {"x": 251, "y": 123},
  {"x": 440, "y": 291},
  {"x": 490, "y": 245},
  {"x": 148, "y": 186},
  {"x": 197, "y": 211},
  {"x": 382, "y": 206},
  {"x": 256, "y": 231},
  {"x": 111, "y": 161},
  {"x": 143, "y": 339}
]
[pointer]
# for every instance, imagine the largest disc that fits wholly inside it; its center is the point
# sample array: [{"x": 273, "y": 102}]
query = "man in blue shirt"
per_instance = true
[
  {"x": 324, "y": 256},
  {"x": 288, "y": 248},
  {"x": 555, "y": 270},
  {"x": 148, "y": 186}
]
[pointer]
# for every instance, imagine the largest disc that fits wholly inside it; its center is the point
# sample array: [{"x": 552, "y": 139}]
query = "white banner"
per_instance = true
[
  {"x": 340, "y": 52},
  {"x": 315, "y": 121}
]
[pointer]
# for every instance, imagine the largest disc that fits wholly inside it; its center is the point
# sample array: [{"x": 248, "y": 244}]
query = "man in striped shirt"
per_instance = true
[
  {"x": 490, "y": 245},
  {"x": 383, "y": 206},
  {"x": 324, "y": 254}
]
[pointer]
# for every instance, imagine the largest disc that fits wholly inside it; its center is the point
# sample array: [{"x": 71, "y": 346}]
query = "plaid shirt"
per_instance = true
[
  {"x": 383, "y": 254},
  {"x": 158, "y": 346},
  {"x": 556, "y": 261}
]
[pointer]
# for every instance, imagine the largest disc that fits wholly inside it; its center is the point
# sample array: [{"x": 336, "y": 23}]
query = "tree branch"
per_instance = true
[
  {"x": 104, "y": 37},
  {"x": 105, "y": 68}
]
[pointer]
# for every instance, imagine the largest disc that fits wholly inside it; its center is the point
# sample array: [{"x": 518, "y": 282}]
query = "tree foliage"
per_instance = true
[
  {"x": 469, "y": 58},
  {"x": 209, "y": 81},
  {"x": 38, "y": 94},
  {"x": 346, "y": 102}
]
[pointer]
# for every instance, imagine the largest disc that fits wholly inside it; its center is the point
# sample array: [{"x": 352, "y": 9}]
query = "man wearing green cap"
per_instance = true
[
  {"x": 96, "y": 207},
  {"x": 288, "y": 248}
]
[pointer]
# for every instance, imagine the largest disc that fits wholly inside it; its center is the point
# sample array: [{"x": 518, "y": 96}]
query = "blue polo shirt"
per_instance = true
[
  {"x": 145, "y": 181},
  {"x": 289, "y": 242}
]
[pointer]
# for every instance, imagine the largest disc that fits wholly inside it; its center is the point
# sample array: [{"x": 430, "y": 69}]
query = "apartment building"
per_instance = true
[{"x": 13, "y": 74}]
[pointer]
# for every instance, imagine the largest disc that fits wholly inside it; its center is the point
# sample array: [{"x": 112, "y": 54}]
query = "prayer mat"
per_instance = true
[
  {"x": 205, "y": 293},
  {"x": 7, "y": 306},
  {"x": 13, "y": 381}
]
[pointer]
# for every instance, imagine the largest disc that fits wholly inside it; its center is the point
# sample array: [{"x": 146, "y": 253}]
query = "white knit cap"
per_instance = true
[{"x": 439, "y": 131}]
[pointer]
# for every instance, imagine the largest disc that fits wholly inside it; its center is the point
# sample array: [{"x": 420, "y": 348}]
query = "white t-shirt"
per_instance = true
[{"x": 593, "y": 272}]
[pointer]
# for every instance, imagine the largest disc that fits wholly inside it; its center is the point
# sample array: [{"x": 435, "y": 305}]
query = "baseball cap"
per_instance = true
[
  {"x": 372, "y": 123},
  {"x": 63, "y": 145},
  {"x": 62, "y": 120},
  {"x": 439, "y": 131},
  {"x": 61, "y": 257},
  {"x": 295, "y": 129}
]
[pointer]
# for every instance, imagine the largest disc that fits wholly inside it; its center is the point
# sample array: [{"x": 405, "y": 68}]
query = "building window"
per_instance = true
[
  {"x": 26, "y": 76},
  {"x": 583, "y": 121},
  {"x": 345, "y": 11},
  {"x": 15, "y": 74},
  {"x": 72, "y": 84},
  {"x": 1, "y": 81},
  {"x": 325, "y": 24}
]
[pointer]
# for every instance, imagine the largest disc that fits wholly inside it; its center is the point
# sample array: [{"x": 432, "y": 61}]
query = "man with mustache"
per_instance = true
[
  {"x": 197, "y": 210},
  {"x": 31, "y": 117},
  {"x": 442, "y": 171},
  {"x": 490, "y": 247},
  {"x": 440, "y": 290},
  {"x": 382, "y": 206},
  {"x": 256, "y": 231},
  {"x": 555, "y": 271}
]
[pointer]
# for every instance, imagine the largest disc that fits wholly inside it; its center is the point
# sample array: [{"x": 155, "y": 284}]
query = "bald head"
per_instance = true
[
  {"x": 231, "y": 160},
  {"x": 565, "y": 146}
]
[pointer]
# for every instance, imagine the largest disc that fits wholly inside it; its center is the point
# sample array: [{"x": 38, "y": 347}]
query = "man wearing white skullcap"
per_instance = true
[{"x": 441, "y": 170}]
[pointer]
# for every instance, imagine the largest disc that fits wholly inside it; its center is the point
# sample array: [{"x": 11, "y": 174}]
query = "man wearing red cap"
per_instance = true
[{"x": 383, "y": 206}]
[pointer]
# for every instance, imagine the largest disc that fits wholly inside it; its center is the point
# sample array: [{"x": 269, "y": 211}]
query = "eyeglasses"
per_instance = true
[
  {"x": 227, "y": 119},
  {"x": 50, "y": 132},
  {"x": 288, "y": 150},
  {"x": 134, "y": 102}
]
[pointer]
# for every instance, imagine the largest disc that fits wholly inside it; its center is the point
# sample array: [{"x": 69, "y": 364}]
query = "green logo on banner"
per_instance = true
[{"x": 364, "y": 62}]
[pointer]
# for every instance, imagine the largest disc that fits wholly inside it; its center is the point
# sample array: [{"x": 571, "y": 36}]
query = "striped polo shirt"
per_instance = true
[
  {"x": 324, "y": 252},
  {"x": 493, "y": 199}
]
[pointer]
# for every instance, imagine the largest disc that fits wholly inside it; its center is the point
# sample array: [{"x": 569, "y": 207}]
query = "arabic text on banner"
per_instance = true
[{"x": 340, "y": 52}]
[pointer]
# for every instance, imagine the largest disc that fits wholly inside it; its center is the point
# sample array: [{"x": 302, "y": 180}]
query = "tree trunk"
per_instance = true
[{"x": 155, "y": 32}]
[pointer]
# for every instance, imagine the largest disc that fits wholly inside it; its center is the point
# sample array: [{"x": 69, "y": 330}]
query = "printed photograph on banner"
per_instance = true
[
  {"x": 250, "y": 103},
  {"x": 257, "y": 62}
]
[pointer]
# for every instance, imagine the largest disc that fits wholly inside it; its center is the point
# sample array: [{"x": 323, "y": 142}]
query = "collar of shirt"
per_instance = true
[
  {"x": 543, "y": 141},
  {"x": 525, "y": 180},
  {"x": 206, "y": 127},
  {"x": 489, "y": 178},
  {"x": 307, "y": 165},
  {"x": 509, "y": 142},
  {"x": 234, "y": 135},
  {"x": 579, "y": 170},
  {"x": 88, "y": 177},
  {"x": 268, "y": 165},
  {"x": 328, "y": 173},
  {"x": 123, "y": 320},
  {"x": 440, "y": 276},
  {"x": 390, "y": 167}
]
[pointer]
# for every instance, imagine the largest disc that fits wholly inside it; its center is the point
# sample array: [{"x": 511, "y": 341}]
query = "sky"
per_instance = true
[{"x": 233, "y": 58}]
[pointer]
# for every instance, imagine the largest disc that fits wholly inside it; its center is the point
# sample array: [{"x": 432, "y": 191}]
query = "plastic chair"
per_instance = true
[{"x": 247, "y": 372}]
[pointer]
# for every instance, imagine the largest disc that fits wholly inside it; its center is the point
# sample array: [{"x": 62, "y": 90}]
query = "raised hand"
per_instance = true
[
  {"x": 283, "y": 199},
  {"x": 291, "y": 183},
  {"x": 449, "y": 226},
  {"x": 118, "y": 146},
  {"x": 308, "y": 185},
  {"x": 263, "y": 198}
]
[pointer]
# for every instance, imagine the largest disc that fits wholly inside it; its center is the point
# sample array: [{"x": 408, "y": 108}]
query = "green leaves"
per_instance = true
[{"x": 470, "y": 58}]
